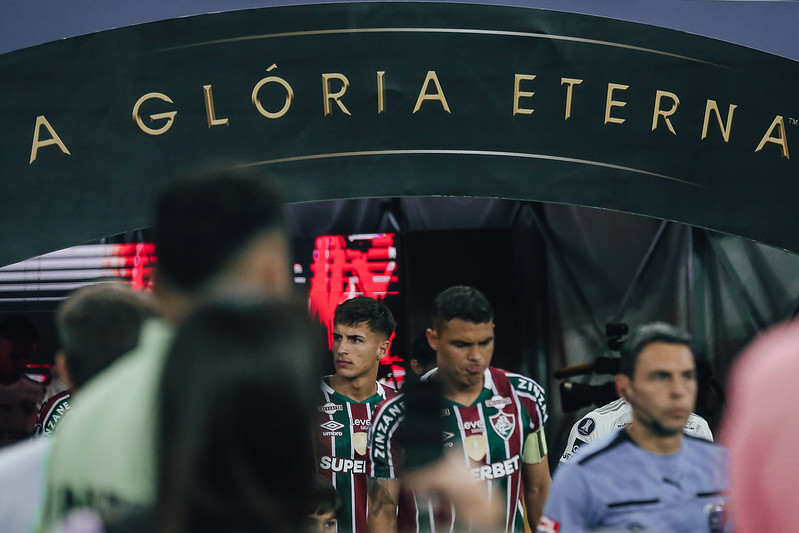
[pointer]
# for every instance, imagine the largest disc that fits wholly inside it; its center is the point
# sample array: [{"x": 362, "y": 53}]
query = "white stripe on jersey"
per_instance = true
[
  {"x": 488, "y": 381},
  {"x": 352, "y": 476},
  {"x": 462, "y": 430},
  {"x": 488, "y": 448},
  {"x": 519, "y": 409}
]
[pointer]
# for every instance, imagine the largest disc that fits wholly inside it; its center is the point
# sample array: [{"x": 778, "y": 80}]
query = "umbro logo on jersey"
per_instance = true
[
  {"x": 586, "y": 427},
  {"x": 332, "y": 425},
  {"x": 329, "y": 408},
  {"x": 498, "y": 402},
  {"x": 446, "y": 435}
]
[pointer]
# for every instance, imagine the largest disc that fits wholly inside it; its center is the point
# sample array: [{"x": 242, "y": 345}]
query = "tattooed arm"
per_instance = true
[{"x": 383, "y": 497}]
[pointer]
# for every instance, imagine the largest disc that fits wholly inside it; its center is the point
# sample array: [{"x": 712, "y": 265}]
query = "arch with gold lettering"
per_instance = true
[{"x": 410, "y": 99}]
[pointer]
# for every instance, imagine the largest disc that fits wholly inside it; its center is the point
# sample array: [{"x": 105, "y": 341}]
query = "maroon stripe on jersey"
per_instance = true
[
  {"x": 514, "y": 445},
  {"x": 360, "y": 418}
]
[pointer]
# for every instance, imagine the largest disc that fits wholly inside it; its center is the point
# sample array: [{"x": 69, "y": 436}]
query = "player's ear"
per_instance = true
[
  {"x": 623, "y": 386},
  {"x": 382, "y": 350},
  {"x": 432, "y": 338}
]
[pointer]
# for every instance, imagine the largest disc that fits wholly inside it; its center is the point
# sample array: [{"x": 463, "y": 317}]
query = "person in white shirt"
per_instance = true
[{"x": 617, "y": 415}]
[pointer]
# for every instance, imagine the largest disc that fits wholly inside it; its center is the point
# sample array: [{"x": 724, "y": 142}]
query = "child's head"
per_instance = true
[{"x": 323, "y": 507}]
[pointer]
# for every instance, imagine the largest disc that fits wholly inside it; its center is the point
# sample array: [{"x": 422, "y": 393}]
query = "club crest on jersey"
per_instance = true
[
  {"x": 329, "y": 408},
  {"x": 498, "y": 402},
  {"x": 503, "y": 424}
]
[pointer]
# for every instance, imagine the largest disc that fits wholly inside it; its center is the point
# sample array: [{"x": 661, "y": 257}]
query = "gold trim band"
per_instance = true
[{"x": 490, "y": 153}]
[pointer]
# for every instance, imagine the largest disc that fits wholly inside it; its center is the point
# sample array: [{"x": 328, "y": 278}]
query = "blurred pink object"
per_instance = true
[{"x": 761, "y": 431}]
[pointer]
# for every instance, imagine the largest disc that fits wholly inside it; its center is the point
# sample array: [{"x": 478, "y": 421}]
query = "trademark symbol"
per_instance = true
[{"x": 793, "y": 121}]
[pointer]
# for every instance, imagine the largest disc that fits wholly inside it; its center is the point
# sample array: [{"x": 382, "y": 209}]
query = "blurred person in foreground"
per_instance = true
[
  {"x": 758, "y": 430},
  {"x": 362, "y": 331},
  {"x": 491, "y": 419},
  {"x": 20, "y": 397},
  {"x": 95, "y": 325},
  {"x": 649, "y": 476},
  {"x": 422, "y": 358},
  {"x": 212, "y": 231},
  {"x": 235, "y": 450}
]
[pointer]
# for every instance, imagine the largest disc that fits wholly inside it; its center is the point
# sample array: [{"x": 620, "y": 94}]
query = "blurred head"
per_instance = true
[
  {"x": 422, "y": 358},
  {"x": 96, "y": 325},
  {"x": 462, "y": 335},
  {"x": 323, "y": 507},
  {"x": 18, "y": 339},
  {"x": 221, "y": 228},
  {"x": 362, "y": 329},
  {"x": 658, "y": 377},
  {"x": 235, "y": 444}
]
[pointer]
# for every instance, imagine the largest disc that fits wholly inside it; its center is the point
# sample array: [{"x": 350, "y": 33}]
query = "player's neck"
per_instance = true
[
  {"x": 650, "y": 441},
  {"x": 460, "y": 393},
  {"x": 358, "y": 388}
]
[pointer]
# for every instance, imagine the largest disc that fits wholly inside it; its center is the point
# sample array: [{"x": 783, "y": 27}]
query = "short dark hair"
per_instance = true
[
  {"x": 421, "y": 350},
  {"x": 230, "y": 469},
  {"x": 644, "y": 335},
  {"x": 465, "y": 303},
  {"x": 19, "y": 328},
  {"x": 365, "y": 309},
  {"x": 97, "y": 324},
  {"x": 203, "y": 221},
  {"x": 324, "y": 498}
]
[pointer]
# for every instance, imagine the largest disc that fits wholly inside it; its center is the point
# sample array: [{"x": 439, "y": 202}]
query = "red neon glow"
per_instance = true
[{"x": 341, "y": 271}]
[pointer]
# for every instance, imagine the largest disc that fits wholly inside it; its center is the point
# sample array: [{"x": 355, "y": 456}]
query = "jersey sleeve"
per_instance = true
[
  {"x": 533, "y": 398},
  {"x": 383, "y": 449},
  {"x": 699, "y": 428},
  {"x": 573, "y": 443},
  {"x": 588, "y": 429}
]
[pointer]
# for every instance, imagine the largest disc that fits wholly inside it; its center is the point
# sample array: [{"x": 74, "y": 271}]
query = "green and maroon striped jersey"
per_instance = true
[
  {"x": 341, "y": 433},
  {"x": 490, "y": 434},
  {"x": 54, "y": 410}
]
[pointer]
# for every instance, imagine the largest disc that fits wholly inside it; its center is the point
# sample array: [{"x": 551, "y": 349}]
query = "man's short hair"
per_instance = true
[
  {"x": 18, "y": 329},
  {"x": 644, "y": 335},
  {"x": 324, "y": 498},
  {"x": 97, "y": 324},
  {"x": 421, "y": 350},
  {"x": 365, "y": 309},
  {"x": 465, "y": 303},
  {"x": 203, "y": 221}
]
